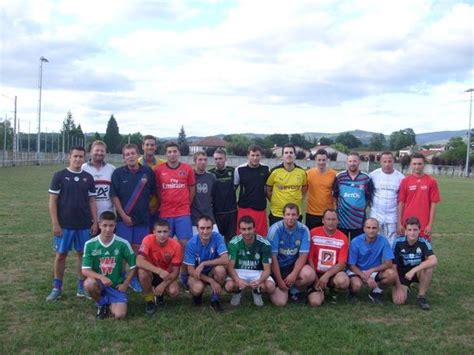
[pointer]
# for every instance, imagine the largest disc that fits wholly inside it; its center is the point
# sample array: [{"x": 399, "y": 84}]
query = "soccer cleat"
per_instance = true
[
  {"x": 102, "y": 312},
  {"x": 197, "y": 300},
  {"x": 135, "y": 285},
  {"x": 236, "y": 297},
  {"x": 82, "y": 292},
  {"x": 54, "y": 295},
  {"x": 150, "y": 308},
  {"x": 216, "y": 306},
  {"x": 423, "y": 303},
  {"x": 159, "y": 301},
  {"x": 376, "y": 298},
  {"x": 257, "y": 298}
]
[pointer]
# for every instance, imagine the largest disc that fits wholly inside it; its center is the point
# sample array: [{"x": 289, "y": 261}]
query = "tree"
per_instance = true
[
  {"x": 276, "y": 139},
  {"x": 325, "y": 141},
  {"x": 183, "y": 142},
  {"x": 134, "y": 138},
  {"x": 238, "y": 144},
  {"x": 377, "y": 142},
  {"x": 340, "y": 147},
  {"x": 6, "y": 124},
  {"x": 112, "y": 136},
  {"x": 300, "y": 141},
  {"x": 402, "y": 138},
  {"x": 349, "y": 140},
  {"x": 456, "y": 153},
  {"x": 97, "y": 136},
  {"x": 68, "y": 128}
]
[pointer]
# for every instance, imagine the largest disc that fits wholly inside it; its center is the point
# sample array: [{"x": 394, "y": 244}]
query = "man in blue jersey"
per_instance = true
[
  {"x": 289, "y": 240},
  {"x": 206, "y": 259},
  {"x": 353, "y": 192},
  {"x": 370, "y": 263},
  {"x": 414, "y": 262},
  {"x": 73, "y": 212}
]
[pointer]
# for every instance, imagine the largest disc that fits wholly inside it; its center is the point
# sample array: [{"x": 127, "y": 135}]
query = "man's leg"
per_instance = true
[
  {"x": 196, "y": 288},
  {"x": 146, "y": 278},
  {"x": 424, "y": 277},
  {"x": 315, "y": 297},
  {"x": 306, "y": 276},
  {"x": 386, "y": 278},
  {"x": 62, "y": 245},
  {"x": 355, "y": 284},
  {"x": 279, "y": 297},
  {"x": 81, "y": 236},
  {"x": 118, "y": 310},
  {"x": 94, "y": 289},
  {"x": 184, "y": 232}
]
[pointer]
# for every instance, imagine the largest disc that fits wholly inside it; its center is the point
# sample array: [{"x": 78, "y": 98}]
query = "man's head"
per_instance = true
[
  {"x": 289, "y": 153},
  {"x": 353, "y": 161},
  {"x": 254, "y": 155},
  {"x": 247, "y": 227},
  {"x": 107, "y": 222},
  {"x": 161, "y": 230},
  {"x": 412, "y": 229},
  {"x": 130, "y": 155},
  {"x": 172, "y": 152},
  {"x": 291, "y": 212},
  {"x": 204, "y": 227},
  {"x": 321, "y": 159},
  {"x": 386, "y": 162},
  {"x": 200, "y": 161},
  {"x": 149, "y": 145},
  {"x": 98, "y": 150},
  {"x": 77, "y": 157},
  {"x": 220, "y": 157},
  {"x": 330, "y": 220},
  {"x": 371, "y": 228},
  {"x": 417, "y": 163}
]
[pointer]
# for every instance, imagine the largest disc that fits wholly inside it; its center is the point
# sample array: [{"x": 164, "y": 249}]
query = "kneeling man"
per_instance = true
[
  {"x": 206, "y": 259},
  {"x": 104, "y": 256},
  {"x": 370, "y": 262},
  {"x": 159, "y": 260},
  {"x": 249, "y": 266},
  {"x": 414, "y": 262}
]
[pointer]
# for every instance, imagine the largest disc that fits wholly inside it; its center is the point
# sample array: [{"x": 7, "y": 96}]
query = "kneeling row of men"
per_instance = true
[{"x": 291, "y": 258}]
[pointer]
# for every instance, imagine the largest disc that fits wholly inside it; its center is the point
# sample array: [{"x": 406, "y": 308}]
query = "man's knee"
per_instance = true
[
  {"x": 90, "y": 284},
  {"x": 173, "y": 290},
  {"x": 307, "y": 275},
  {"x": 219, "y": 273},
  {"x": 341, "y": 281},
  {"x": 61, "y": 257},
  {"x": 196, "y": 287},
  {"x": 279, "y": 298},
  {"x": 388, "y": 277},
  {"x": 230, "y": 286},
  {"x": 355, "y": 284},
  {"x": 316, "y": 299},
  {"x": 144, "y": 276}
]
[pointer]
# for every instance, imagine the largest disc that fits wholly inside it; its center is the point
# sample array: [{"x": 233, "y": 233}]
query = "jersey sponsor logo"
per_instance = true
[
  {"x": 326, "y": 259},
  {"x": 248, "y": 264},
  {"x": 351, "y": 195},
  {"x": 67, "y": 178},
  {"x": 107, "y": 265},
  {"x": 327, "y": 241},
  {"x": 288, "y": 187},
  {"x": 424, "y": 187},
  {"x": 173, "y": 184},
  {"x": 412, "y": 187},
  {"x": 116, "y": 252},
  {"x": 288, "y": 251},
  {"x": 202, "y": 188},
  {"x": 102, "y": 193}
]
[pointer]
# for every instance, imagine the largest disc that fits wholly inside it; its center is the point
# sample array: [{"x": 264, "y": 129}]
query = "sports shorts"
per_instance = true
[
  {"x": 374, "y": 275},
  {"x": 181, "y": 227},
  {"x": 70, "y": 238},
  {"x": 112, "y": 294},
  {"x": 250, "y": 275},
  {"x": 132, "y": 234},
  {"x": 404, "y": 281}
]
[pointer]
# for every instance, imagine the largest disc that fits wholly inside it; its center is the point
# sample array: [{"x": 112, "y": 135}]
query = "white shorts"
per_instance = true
[
  {"x": 389, "y": 231},
  {"x": 249, "y": 275},
  {"x": 214, "y": 229},
  {"x": 352, "y": 274}
]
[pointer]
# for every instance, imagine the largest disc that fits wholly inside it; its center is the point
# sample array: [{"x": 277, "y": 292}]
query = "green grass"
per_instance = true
[{"x": 29, "y": 324}]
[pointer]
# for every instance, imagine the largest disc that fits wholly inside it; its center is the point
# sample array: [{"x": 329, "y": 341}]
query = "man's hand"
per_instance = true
[
  {"x": 371, "y": 283},
  {"x": 199, "y": 269},
  {"x": 122, "y": 287},
  {"x": 241, "y": 283},
  {"x": 216, "y": 288},
  {"x": 282, "y": 286},
  {"x": 409, "y": 275},
  {"x": 94, "y": 228},
  {"x": 290, "y": 279},
  {"x": 256, "y": 283},
  {"x": 399, "y": 295},
  {"x": 160, "y": 289},
  {"x": 366, "y": 275},
  {"x": 428, "y": 230},
  {"x": 400, "y": 229},
  {"x": 164, "y": 275},
  {"x": 106, "y": 281},
  {"x": 322, "y": 283},
  {"x": 127, "y": 220},
  {"x": 57, "y": 231}
]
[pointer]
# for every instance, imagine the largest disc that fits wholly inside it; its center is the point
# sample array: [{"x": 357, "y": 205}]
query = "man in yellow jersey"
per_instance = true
[
  {"x": 148, "y": 159},
  {"x": 286, "y": 184},
  {"x": 320, "y": 182}
]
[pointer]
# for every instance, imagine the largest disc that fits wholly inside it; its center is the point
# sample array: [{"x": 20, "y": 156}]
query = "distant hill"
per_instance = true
[{"x": 438, "y": 137}]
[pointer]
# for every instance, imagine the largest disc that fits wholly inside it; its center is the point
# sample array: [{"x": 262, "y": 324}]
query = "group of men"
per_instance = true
[{"x": 174, "y": 220}]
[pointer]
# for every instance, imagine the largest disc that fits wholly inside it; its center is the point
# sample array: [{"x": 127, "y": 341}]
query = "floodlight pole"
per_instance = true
[
  {"x": 38, "y": 138},
  {"x": 466, "y": 171}
]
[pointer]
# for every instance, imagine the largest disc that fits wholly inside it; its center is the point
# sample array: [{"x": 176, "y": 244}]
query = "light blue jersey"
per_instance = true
[
  {"x": 288, "y": 244},
  {"x": 196, "y": 252}
]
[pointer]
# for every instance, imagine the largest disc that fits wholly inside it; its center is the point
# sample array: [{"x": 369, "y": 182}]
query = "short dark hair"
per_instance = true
[
  {"x": 417, "y": 155},
  {"x": 130, "y": 146},
  {"x": 291, "y": 206},
  {"x": 321, "y": 152},
  {"x": 77, "y": 147},
  {"x": 413, "y": 221},
  {"x": 220, "y": 151},
  {"x": 149, "y": 136},
  {"x": 247, "y": 219},
  {"x": 327, "y": 210},
  {"x": 355, "y": 154},
  {"x": 197, "y": 154},
  {"x": 161, "y": 223},
  {"x": 288, "y": 145},
  {"x": 254, "y": 148},
  {"x": 387, "y": 152},
  {"x": 171, "y": 144},
  {"x": 372, "y": 219},
  {"x": 206, "y": 218},
  {"x": 107, "y": 216}
]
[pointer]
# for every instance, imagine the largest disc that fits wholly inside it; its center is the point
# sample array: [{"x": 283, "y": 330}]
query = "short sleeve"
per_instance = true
[
  {"x": 434, "y": 192},
  {"x": 342, "y": 255},
  {"x": 189, "y": 254},
  {"x": 221, "y": 248},
  {"x": 274, "y": 239},
  {"x": 86, "y": 258},
  {"x": 91, "y": 189},
  {"x": 387, "y": 251},
  {"x": 115, "y": 184},
  {"x": 191, "y": 177},
  {"x": 402, "y": 195},
  {"x": 177, "y": 259},
  {"x": 233, "y": 251},
  {"x": 305, "y": 178},
  {"x": 266, "y": 253},
  {"x": 353, "y": 253},
  {"x": 304, "y": 247},
  {"x": 271, "y": 180},
  {"x": 130, "y": 255},
  {"x": 55, "y": 187},
  {"x": 144, "y": 248}
]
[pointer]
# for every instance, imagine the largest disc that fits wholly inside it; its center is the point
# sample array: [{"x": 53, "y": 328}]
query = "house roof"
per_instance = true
[{"x": 211, "y": 142}]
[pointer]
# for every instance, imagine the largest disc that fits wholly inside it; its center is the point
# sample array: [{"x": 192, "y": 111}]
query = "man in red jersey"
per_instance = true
[
  {"x": 418, "y": 197},
  {"x": 328, "y": 257}
]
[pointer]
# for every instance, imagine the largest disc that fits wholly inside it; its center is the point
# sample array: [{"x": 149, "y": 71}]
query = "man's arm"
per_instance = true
[
  {"x": 300, "y": 262},
  {"x": 430, "y": 262},
  {"x": 304, "y": 190},
  {"x": 94, "y": 275},
  {"x": 53, "y": 212},
  {"x": 268, "y": 191},
  {"x": 223, "y": 260},
  {"x": 277, "y": 273},
  {"x": 264, "y": 275},
  {"x": 401, "y": 207},
  {"x": 429, "y": 226},
  {"x": 192, "y": 193},
  {"x": 93, "y": 208},
  {"x": 144, "y": 264}
]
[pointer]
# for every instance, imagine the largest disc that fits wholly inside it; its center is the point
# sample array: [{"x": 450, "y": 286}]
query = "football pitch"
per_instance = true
[{"x": 29, "y": 324}]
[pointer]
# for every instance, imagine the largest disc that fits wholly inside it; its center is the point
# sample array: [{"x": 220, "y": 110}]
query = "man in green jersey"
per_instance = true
[
  {"x": 102, "y": 267},
  {"x": 250, "y": 256}
]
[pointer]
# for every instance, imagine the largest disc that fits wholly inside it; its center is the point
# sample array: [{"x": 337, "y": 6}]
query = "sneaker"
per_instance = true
[
  {"x": 185, "y": 288},
  {"x": 236, "y": 297},
  {"x": 197, "y": 300},
  {"x": 54, "y": 295},
  {"x": 352, "y": 297},
  {"x": 159, "y": 301},
  {"x": 135, "y": 285},
  {"x": 376, "y": 298},
  {"x": 150, "y": 308},
  {"x": 216, "y": 306},
  {"x": 257, "y": 298},
  {"x": 102, "y": 312},
  {"x": 423, "y": 303},
  {"x": 82, "y": 292}
]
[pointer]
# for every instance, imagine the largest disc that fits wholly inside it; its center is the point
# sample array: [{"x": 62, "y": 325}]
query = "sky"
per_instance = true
[{"x": 238, "y": 66}]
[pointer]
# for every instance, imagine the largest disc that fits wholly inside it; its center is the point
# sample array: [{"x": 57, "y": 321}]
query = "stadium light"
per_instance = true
[
  {"x": 38, "y": 138},
  {"x": 466, "y": 172}
]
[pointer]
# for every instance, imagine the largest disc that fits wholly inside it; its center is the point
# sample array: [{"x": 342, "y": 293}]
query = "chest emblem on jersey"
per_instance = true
[
  {"x": 144, "y": 179},
  {"x": 182, "y": 173},
  {"x": 257, "y": 256},
  {"x": 418, "y": 250},
  {"x": 167, "y": 257},
  {"x": 297, "y": 242},
  {"x": 116, "y": 252},
  {"x": 202, "y": 188},
  {"x": 76, "y": 178}
]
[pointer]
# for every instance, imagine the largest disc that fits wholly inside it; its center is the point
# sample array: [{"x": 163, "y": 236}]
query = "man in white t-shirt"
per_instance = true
[
  {"x": 386, "y": 182},
  {"x": 102, "y": 173}
]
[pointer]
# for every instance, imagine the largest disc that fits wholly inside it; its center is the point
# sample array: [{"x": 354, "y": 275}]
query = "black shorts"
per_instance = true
[
  {"x": 156, "y": 280},
  {"x": 227, "y": 224},
  {"x": 330, "y": 283},
  {"x": 406, "y": 282},
  {"x": 285, "y": 271},
  {"x": 313, "y": 221}
]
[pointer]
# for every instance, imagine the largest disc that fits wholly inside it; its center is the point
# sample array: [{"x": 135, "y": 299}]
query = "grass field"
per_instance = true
[{"x": 29, "y": 324}]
